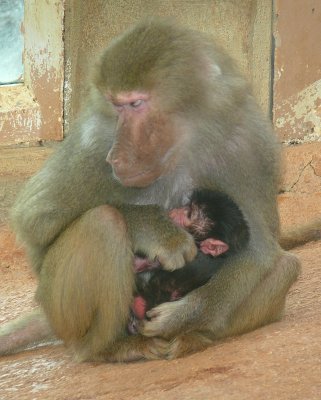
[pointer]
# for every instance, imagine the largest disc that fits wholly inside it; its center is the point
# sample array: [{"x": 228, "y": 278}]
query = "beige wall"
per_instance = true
[
  {"x": 243, "y": 27},
  {"x": 297, "y": 77}
]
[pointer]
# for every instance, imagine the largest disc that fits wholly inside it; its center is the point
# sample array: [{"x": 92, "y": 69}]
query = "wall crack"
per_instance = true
[{"x": 308, "y": 164}]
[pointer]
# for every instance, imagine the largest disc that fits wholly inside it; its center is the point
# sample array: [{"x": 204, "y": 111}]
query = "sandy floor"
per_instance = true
[{"x": 279, "y": 361}]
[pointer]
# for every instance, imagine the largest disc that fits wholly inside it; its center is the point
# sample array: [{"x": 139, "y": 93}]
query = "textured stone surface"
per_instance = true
[
  {"x": 300, "y": 201},
  {"x": 302, "y": 168}
]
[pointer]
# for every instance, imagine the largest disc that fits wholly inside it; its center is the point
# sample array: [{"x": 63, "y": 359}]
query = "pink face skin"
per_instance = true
[
  {"x": 145, "y": 137},
  {"x": 143, "y": 264},
  {"x": 193, "y": 217},
  {"x": 131, "y": 102},
  {"x": 181, "y": 216}
]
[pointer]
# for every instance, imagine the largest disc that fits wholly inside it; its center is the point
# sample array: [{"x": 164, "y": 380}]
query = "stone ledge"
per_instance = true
[
  {"x": 16, "y": 166},
  {"x": 22, "y": 162},
  {"x": 299, "y": 208}
]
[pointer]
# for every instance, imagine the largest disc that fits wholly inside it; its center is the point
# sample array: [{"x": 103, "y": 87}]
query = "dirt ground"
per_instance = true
[{"x": 280, "y": 361}]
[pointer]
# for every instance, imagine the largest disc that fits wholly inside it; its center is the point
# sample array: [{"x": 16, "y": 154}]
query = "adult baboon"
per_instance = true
[{"x": 171, "y": 113}]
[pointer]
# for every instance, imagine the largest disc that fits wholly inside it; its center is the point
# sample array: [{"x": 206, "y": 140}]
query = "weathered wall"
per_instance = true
[
  {"x": 32, "y": 112},
  {"x": 297, "y": 77},
  {"x": 297, "y": 101},
  {"x": 244, "y": 28}
]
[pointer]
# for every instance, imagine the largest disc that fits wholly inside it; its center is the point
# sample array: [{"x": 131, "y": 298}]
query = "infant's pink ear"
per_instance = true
[{"x": 213, "y": 247}]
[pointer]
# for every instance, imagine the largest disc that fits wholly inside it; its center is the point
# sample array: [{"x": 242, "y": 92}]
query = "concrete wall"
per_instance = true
[
  {"x": 297, "y": 78},
  {"x": 32, "y": 112},
  {"x": 297, "y": 101},
  {"x": 243, "y": 27}
]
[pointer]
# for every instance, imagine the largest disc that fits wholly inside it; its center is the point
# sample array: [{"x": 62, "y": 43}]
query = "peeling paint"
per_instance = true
[
  {"x": 297, "y": 71},
  {"x": 301, "y": 114},
  {"x": 67, "y": 93},
  {"x": 33, "y": 112}
]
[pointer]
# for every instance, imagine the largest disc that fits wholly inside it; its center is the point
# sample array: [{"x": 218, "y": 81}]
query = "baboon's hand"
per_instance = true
[
  {"x": 165, "y": 320},
  {"x": 154, "y": 234},
  {"x": 173, "y": 251}
]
